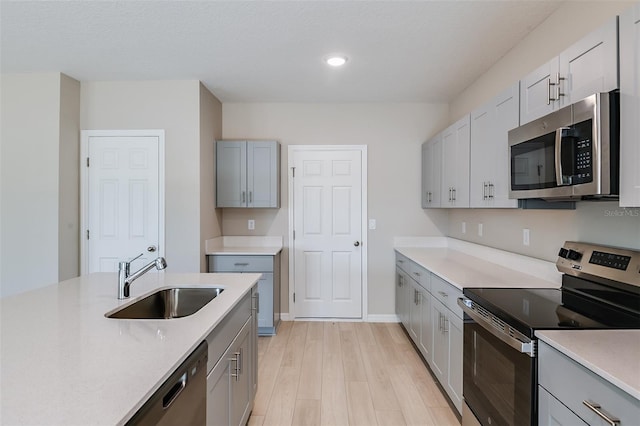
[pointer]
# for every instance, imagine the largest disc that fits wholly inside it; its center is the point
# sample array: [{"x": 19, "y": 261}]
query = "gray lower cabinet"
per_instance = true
[
  {"x": 565, "y": 385},
  {"x": 268, "y": 286},
  {"x": 426, "y": 306},
  {"x": 232, "y": 370}
]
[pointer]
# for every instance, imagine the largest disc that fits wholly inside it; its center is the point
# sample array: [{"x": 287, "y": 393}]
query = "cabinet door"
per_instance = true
[
  {"x": 231, "y": 174},
  {"x": 265, "y": 310},
  {"x": 254, "y": 341},
  {"x": 482, "y": 121},
  {"x": 538, "y": 93},
  {"x": 630, "y": 107},
  {"x": 432, "y": 172},
  {"x": 241, "y": 388},
  {"x": 415, "y": 306},
  {"x": 263, "y": 174},
  {"x": 590, "y": 65},
  {"x": 440, "y": 359},
  {"x": 552, "y": 412},
  {"x": 402, "y": 297},
  {"x": 426, "y": 331},
  {"x": 455, "y": 182},
  {"x": 453, "y": 329},
  {"x": 506, "y": 117},
  {"x": 219, "y": 393}
]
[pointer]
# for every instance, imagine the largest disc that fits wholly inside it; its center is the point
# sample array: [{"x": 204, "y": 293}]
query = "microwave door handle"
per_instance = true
[{"x": 558, "y": 156}]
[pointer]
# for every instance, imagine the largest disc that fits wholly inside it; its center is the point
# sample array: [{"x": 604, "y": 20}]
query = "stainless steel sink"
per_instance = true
[{"x": 175, "y": 302}]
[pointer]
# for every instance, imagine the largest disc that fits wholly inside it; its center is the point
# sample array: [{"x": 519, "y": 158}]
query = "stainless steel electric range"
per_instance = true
[{"x": 600, "y": 290}]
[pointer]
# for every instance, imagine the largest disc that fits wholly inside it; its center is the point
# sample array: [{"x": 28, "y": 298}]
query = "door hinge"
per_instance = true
[
  {"x": 294, "y": 234},
  {"x": 87, "y": 234},
  {"x": 294, "y": 298},
  {"x": 87, "y": 161},
  {"x": 293, "y": 172}
]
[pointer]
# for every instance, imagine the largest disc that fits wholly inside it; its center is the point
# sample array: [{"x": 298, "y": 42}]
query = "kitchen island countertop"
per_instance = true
[{"x": 64, "y": 363}]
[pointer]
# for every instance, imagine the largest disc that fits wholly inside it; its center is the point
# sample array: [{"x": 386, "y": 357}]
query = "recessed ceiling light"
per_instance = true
[{"x": 336, "y": 61}]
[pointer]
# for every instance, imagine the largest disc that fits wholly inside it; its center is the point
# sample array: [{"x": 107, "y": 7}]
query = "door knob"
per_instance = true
[
  {"x": 151, "y": 248},
  {"x": 357, "y": 243}
]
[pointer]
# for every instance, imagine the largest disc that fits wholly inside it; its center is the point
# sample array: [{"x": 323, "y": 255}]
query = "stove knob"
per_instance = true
[
  {"x": 574, "y": 255},
  {"x": 563, "y": 252}
]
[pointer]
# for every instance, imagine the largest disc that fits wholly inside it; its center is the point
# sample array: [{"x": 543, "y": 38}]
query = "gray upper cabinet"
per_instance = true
[
  {"x": 490, "y": 125},
  {"x": 630, "y": 107},
  {"x": 588, "y": 66},
  {"x": 248, "y": 174},
  {"x": 431, "y": 172}
]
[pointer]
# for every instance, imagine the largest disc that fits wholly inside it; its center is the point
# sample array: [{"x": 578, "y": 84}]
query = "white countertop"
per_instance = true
[
  {"x": 614, "y": 355},
  {"x": 64, "y": 363},
  {"x": 244, "y": 245},
  {"x": 465, "y": 270}
]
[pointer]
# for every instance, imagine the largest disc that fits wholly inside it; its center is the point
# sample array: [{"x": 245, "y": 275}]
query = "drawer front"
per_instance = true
[
  {"x": 223, "y": 263},
  {"x": 224, "y": 333},
  {"x": 447, "y": 294},
  {"x": 403, "y": 263},
  {"x": 420, "y": 275},
  {"x": 571, "y": 383}
]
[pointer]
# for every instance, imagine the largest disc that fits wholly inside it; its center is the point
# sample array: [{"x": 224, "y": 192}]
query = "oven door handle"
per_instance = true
[{"x": 522, "y": 343}]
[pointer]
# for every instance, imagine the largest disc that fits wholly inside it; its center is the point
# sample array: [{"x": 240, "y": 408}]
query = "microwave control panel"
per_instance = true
[{"x": 583, "y": 152}]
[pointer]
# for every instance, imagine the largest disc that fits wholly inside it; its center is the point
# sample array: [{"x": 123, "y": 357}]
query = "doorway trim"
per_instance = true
[
  {"x": 365, "y": 241},
  {"x": 85, "y": 135}
]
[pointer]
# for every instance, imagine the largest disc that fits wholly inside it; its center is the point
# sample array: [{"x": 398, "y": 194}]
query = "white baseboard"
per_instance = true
[{"x": 285, "y": 316}]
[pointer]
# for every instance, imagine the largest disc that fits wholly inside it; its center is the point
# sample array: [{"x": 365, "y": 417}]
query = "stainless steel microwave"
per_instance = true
[{"x": 572, "y": 153}]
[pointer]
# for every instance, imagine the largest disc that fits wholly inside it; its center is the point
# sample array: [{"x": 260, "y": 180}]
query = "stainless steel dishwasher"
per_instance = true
[{"x": 182, "y": 398}]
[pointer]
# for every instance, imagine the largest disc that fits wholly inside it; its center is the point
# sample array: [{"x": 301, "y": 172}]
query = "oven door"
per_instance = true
[{"x": 499, "y": 381}]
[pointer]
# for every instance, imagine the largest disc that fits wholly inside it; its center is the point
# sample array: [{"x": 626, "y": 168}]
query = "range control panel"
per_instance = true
[{"x": 612, "y": 263}]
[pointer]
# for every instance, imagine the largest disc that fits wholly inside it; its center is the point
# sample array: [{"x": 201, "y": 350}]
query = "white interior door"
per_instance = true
[
  {"x": 328, "y": 208},
  {"x": 123, "y": 200}
]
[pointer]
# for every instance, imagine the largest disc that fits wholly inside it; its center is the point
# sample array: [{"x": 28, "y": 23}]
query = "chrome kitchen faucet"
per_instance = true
[{"x": 125, "y": 279}]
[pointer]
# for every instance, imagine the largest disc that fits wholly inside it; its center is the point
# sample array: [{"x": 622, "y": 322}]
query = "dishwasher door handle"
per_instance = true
[{"x": 175, "y": 391}]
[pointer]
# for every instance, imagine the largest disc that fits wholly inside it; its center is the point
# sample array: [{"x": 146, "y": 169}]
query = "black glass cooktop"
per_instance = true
[{"x": 579, "y": 304}]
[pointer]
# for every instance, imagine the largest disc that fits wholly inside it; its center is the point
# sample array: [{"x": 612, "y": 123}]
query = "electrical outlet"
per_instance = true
[
  {"x": 480, "y": 229},
  {"x": 251, "y": 224},
  {"x": 525, "y": 236},
  {"x": 464, "y": 227},
  {"x": 372, "y": 224}
]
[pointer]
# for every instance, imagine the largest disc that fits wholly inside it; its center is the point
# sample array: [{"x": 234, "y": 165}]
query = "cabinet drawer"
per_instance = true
[
  {"x": 571, "y": 383},
  {"x": 224, "y": 333},
  {"x": 446, "y": 293},
  {"x": 224, "y": 263},
  {"x": 420, "y": 275},
  {"x": 403, "y": 263}
]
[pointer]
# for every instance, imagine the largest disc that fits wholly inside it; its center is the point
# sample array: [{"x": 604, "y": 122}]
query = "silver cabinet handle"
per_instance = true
[
  {"x": 400, "y": 261},
  {"x": 492, "y": 190},
  {"x": 445, "y": 325},
  {"x": 236, "y": 370},
  {"x": 484, "y": 190},
  {"x": 559, "y": 94},
  {"x": 256, "y": 298},
  {"x": 417, "y": 274},
  {"x": 454, "y": 194},
  {"x": 549, "y": 91},
  {"x": 241, "y": 264},
  {"x": 596, "y": 408},
  {"x": 443, "y": 294},
  {"x": 243, "y": 197},
  {"x": 250, "y": 196}
]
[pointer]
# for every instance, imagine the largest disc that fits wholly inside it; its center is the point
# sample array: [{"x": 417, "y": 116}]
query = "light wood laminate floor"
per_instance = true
[{"x": 345, "y": 373}]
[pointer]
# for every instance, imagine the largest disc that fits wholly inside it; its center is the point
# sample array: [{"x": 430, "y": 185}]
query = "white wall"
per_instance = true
[
  {"x": 602, "y": 223},
  {"x": 175, "y": 107},
  {"x": 393, "y": 133},
  {"x": 39, "y": 144}
]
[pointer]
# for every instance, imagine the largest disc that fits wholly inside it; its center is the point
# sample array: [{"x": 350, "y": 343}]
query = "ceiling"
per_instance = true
[{"x": 272, "y": 51}]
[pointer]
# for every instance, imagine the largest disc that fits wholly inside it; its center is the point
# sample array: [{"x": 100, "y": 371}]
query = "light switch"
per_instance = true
[
  {"x": 251, "y": 224},
  {"x": 480, "y": 230},
  {"x": 372, "y": 224}
]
